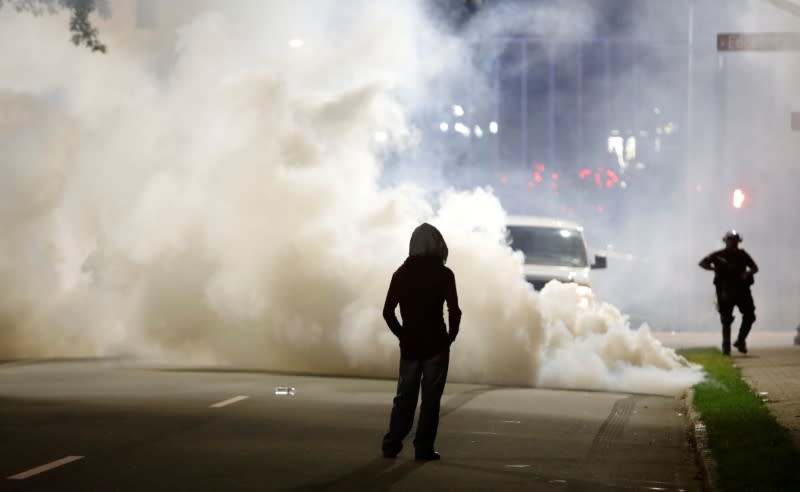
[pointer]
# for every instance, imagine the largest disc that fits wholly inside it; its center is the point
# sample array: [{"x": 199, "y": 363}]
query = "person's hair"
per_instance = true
[{"x": 426, "y": 240}]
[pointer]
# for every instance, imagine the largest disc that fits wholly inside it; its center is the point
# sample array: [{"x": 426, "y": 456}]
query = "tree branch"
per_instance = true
[{"x": 83, "y": 32}]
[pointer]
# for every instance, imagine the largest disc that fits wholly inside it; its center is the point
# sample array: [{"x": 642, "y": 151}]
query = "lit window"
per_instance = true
[
  {"x": 616, "y": 146},
  {"x": 630, "y": 149}
]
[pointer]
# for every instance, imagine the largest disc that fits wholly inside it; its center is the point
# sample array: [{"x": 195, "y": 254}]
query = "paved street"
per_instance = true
[{"x": 118, "y": 425}]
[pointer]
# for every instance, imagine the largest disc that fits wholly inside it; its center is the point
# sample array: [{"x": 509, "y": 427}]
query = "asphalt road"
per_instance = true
[{"x": 118, "y": 425}]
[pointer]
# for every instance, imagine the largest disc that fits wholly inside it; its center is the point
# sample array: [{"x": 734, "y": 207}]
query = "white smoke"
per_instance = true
[{"x": 226, "y": 208}]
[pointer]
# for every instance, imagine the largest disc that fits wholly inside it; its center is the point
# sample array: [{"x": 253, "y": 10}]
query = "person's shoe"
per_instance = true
[
  {"x": 431, "y": 456},
  {"x": 741, "y": 346},
  {"x": 726, "y": 350},
  {"x": 391, "y": 451}
]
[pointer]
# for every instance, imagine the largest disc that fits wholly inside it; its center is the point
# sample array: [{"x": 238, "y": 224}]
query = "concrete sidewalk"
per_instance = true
[
  {"x": 713, "y": 338},
  {"x": 775, "y": 373},
  {"x": 771, "y": 366}
]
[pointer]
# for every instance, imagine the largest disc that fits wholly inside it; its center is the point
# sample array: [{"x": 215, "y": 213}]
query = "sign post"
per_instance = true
[
  {"x": 761, "y": 41},
  {"x": 758, "y": 41}
]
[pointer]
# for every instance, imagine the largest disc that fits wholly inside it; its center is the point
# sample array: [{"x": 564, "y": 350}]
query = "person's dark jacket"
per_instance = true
[
  {"x": 421, "y": 286},
  {"x": 730, "y": 266}
]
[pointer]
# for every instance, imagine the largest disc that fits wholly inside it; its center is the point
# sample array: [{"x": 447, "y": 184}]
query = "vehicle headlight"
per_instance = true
[{"x": 584, "y": 296}]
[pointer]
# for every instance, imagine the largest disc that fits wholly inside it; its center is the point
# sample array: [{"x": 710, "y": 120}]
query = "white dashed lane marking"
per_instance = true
[
  {"x": 229, "y": 401},
  {"x": 48, "y": 466}
]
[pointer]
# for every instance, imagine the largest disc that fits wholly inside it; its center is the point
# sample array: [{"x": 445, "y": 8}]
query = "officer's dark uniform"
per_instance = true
[{"x": 733, "y": 283}]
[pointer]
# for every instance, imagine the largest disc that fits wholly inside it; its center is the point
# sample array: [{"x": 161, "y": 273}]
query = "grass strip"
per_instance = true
[{"x": 752, "y": 451}]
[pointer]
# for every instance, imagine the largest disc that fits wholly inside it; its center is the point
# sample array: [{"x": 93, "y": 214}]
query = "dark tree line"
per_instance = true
[{"x": 83, "y": 32}]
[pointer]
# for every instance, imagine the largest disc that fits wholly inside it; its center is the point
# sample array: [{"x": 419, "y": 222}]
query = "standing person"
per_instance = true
[
  {"x": 733, "y": 275},
  {"x": 421, "y": 286}
]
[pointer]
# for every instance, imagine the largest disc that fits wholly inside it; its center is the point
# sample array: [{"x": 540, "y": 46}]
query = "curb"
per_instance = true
[
  {"x": 699, "y": 438},
  {"x": 14, "y": 363}
]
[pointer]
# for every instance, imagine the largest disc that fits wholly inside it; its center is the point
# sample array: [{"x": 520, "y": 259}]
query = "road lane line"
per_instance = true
[
  {"x": 229, "y": 401},
  {"x": 48, "y": 466}
]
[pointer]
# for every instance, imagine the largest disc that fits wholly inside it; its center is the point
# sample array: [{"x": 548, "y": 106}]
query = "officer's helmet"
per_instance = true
[{"x": 732, "y": 235}]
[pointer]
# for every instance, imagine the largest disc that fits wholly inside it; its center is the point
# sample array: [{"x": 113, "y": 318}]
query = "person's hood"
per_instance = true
[{"x": 426, "y": 240}]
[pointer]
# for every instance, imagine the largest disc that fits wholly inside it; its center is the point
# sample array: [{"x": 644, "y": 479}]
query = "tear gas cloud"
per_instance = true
[
  {"x": 692, "y": 125},
  {"x": 736, "y": 134},
  {"x": 209, "y": 191}
]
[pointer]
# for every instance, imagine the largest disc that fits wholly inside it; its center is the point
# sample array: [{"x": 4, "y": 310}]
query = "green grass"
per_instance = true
[{"x": 752, "y": 451}]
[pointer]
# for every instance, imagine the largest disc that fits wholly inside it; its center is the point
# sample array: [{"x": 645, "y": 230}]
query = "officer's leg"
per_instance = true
[
  {"x": 725, "y": 303},
  {"x": 748, "y": 310}
]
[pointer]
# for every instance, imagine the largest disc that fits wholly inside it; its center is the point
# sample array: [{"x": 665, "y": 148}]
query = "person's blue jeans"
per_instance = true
[{"x": 431, "y": 374}]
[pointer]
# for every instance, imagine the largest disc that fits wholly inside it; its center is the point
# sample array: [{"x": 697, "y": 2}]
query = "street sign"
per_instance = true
[
  {"x": 758, "y": 41},
  {"x": 795, "y": 121}
]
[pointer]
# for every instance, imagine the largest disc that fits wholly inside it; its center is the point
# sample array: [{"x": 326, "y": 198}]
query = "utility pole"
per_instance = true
[{"x": 145, "y": 14}]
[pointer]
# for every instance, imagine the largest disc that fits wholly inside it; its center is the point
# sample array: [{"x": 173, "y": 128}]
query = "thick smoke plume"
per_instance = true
[
  {"x": 697, "y": 124},
  {"x": 208, "y": 192}
]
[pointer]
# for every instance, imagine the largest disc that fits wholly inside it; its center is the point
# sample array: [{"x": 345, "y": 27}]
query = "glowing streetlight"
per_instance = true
[
  {"x": 462, "y": 129},
  {"x": 739, "y": 198}
]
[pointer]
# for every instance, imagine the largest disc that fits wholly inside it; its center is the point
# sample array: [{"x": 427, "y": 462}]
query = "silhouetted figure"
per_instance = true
[
  {"x": 733, "y": 275},
  {"x": 421, "y": 286}
]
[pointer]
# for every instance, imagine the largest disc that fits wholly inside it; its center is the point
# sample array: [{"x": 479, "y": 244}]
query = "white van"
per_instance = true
[{"x": 553, "y": 249}]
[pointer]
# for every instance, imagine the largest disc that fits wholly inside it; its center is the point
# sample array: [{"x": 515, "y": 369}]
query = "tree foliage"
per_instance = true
[{"x": 82, "y": 29}]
